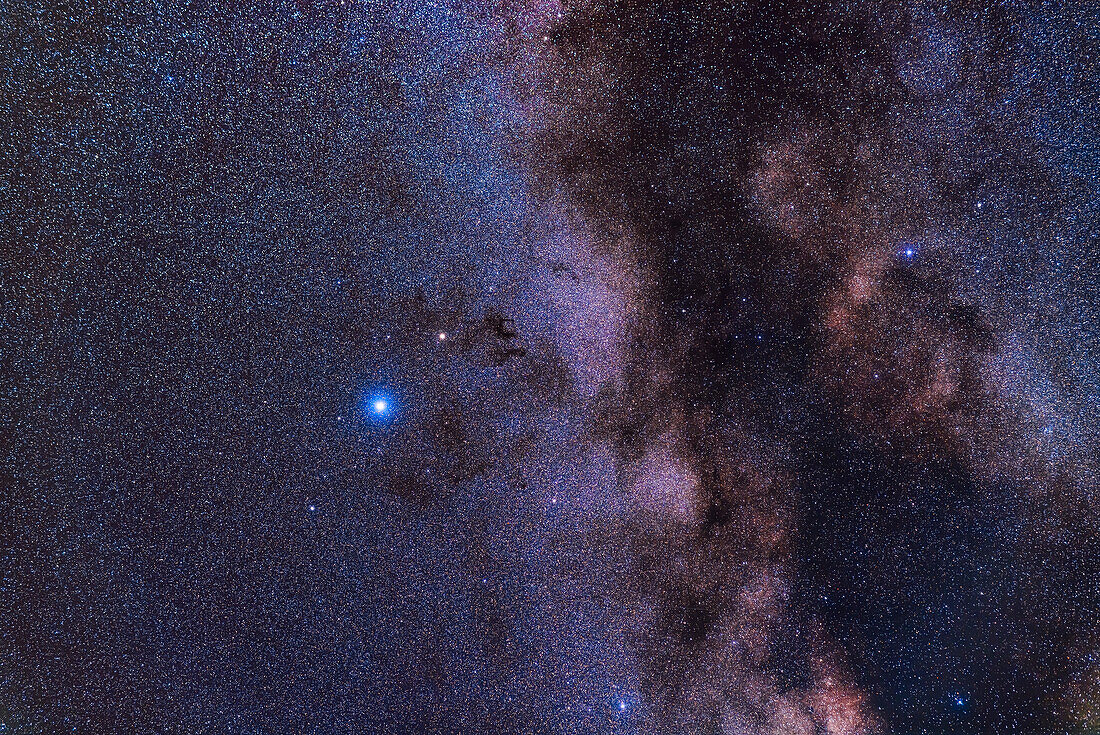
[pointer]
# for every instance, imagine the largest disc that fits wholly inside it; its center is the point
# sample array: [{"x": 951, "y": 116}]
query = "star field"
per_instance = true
[{"x": 550, "y": 367}]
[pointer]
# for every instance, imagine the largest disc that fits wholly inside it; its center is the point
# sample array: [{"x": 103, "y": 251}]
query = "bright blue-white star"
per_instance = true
[
  {"x": 378, "y": 406},
  {"x": 624, "y": 704}
]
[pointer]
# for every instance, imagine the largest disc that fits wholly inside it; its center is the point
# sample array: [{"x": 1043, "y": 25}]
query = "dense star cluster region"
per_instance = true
[{"x": 550, "y": 367}]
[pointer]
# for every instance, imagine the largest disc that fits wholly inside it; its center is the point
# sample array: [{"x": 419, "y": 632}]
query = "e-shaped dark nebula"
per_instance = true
[{"x": 540, "y": 367}]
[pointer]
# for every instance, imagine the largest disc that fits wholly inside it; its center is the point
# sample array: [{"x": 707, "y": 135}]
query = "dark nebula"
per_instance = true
[{"x": 541, "y": 367}]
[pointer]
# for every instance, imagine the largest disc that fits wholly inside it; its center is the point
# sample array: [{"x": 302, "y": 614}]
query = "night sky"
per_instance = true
[{"x": 550, "y": 366}]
